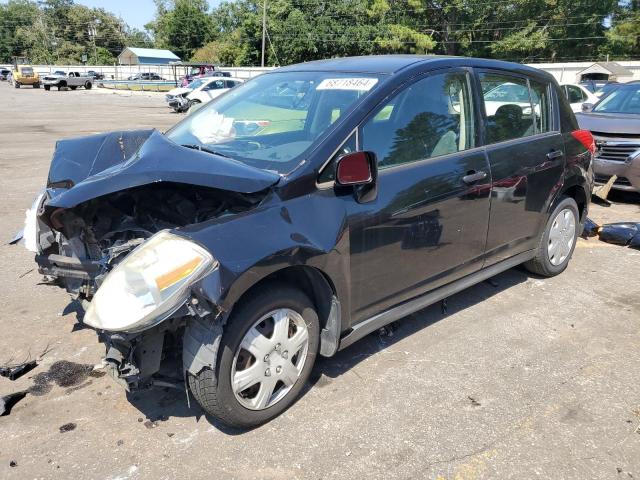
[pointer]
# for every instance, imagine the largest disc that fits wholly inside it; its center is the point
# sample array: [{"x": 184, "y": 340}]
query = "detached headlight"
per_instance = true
[{"x": 148, "y": 284}]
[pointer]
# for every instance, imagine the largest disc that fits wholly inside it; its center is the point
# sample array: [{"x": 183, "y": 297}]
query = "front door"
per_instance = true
[
  {"x": 525, "y": 150},
  {"x": 428, "y": 224}
]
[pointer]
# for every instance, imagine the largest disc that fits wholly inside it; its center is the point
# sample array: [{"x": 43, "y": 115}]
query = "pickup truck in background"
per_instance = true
[{"x": 72, "y": 80}]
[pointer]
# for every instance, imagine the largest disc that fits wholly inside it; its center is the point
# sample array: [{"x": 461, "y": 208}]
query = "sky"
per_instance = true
[{"x": 135, "y": 12}]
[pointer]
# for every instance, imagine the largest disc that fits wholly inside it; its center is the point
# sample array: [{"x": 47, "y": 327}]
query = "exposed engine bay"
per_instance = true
[{"x": 96, "y": 235}]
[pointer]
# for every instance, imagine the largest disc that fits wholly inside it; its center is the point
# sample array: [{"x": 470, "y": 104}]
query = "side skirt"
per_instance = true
[{"x": 396, "y": 313}]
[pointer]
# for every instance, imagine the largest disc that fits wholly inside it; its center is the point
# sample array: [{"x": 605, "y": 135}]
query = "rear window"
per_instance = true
[{"x": 515, "y": 107}]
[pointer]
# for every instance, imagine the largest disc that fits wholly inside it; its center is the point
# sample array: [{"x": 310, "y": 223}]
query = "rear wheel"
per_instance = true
[
  {"x": 47, "y": 87},
  {"x": 265, "y": 357},
  {"x": 88, "y": 85},
  {"x": 558, "y": 240}
]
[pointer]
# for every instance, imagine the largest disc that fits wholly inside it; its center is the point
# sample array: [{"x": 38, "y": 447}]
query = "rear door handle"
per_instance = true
[
  {"x": 554, "y": 154},
  {"x": 474, "y": 176}
]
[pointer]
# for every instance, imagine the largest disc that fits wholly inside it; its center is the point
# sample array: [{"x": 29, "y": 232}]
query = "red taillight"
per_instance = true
[{"x": 586, "y": 139}]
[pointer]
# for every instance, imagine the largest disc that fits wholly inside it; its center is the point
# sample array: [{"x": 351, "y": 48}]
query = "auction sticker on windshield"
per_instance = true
[{"x": 359, "y": 84}]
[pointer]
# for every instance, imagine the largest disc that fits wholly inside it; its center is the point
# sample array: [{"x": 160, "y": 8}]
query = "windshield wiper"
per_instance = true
[{"x": 193, "y": 146}]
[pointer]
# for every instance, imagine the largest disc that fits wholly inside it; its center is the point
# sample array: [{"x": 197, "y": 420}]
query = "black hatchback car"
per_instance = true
[{"x": 303, "y": 210}]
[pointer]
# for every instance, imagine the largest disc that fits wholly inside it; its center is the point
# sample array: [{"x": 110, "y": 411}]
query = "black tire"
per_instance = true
[
  {"x": 36, "y": 85},
  {"x": 212, "y": 388},
  {"x": 47, "y": 87},
  {"x": 16, "y": 84},
  {"x": 88, "y": 85},
  {"x": 541, "y": 263}
]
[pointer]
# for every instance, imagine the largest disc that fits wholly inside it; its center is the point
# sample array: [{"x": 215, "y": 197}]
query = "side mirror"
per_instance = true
[
  {"x": 359, "y": 170},
  {"x": 587, "y": 107}
]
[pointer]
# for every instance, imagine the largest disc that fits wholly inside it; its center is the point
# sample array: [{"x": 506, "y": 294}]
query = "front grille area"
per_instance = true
[
  {"x": 615, "y": 150},
  {"x": 623, "y": 181}
]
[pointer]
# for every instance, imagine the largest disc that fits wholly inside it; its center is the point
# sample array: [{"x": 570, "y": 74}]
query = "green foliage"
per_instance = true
[{"x": 301, "y": 30}]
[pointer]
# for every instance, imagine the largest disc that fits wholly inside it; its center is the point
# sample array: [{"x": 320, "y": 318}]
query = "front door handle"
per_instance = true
[
  {"x": 474, "y": 176},
  {"x": 554, "y": 154}
]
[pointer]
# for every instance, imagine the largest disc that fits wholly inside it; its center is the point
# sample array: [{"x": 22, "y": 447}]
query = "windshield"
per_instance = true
[
  {"x": 197, "y": 83},
  {"x": 275, "y": 118},
  {"x": 622, "y": 100},
  {"x": 26, "y": 71}
]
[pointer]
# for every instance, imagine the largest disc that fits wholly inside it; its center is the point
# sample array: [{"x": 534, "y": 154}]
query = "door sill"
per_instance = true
[{"x": 411, "y": 306}]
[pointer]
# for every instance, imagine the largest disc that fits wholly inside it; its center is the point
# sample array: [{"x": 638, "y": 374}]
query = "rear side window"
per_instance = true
[
  {"x": 507, "y": 104},
  {"x": 574, "y": 94},
  {"x": 429, "y": 118},
  {"x": 541, "y": 106}
]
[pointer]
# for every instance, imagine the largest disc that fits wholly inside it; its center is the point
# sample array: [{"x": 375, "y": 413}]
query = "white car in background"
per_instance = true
[
  {"x": 174, "y": 96},
  {"x": 577, "y": 95},
  {"x": 211, "y": 88}
]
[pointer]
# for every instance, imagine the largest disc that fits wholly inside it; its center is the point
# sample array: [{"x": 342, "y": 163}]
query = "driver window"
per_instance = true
[{"x": 429, "y": 118}]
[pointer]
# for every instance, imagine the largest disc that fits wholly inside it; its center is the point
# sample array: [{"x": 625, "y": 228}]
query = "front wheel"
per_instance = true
[
  {"x": 265, "y": 357},
  {"x": 558, "y": 240},
  {"x": 88, "y": 85},
  {"x": 16, "y": 84},
  {"x": 47, "y": 87}
]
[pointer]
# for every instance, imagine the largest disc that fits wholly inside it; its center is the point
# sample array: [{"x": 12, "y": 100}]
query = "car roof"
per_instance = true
[{"x": 390, "y": 64}]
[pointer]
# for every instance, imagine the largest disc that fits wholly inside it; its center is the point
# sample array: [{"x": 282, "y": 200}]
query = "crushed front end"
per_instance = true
[{"x": 107, "y": 230}]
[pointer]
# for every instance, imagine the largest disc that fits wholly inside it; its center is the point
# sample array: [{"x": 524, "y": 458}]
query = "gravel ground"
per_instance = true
[{"x": 531, "y": 378}]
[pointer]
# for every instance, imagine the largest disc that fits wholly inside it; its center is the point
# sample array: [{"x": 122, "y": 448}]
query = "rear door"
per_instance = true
[
  {"x": 428, "y": 225},
  {"x": 525, "y": 150}
]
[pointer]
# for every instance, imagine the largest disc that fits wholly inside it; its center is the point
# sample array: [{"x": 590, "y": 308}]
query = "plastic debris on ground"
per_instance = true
[{"x": 626, "y": 234}]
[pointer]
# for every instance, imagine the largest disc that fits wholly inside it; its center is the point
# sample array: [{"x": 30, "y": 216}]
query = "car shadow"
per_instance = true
[
  {"x": 372, "y": 344},
  {"x": 160, "y": 404}
]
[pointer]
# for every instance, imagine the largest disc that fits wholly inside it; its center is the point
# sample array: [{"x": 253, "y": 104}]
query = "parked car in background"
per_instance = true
[
  {"x": 595, "y": 85},
  {"x": 175, "y": 96},
  {"x": 211, "y": 88},
  {"x": 95, "y": 75},
  {"x": 4, "y": 74},
  {"x": 577, "y": 95},
  {"x": 23, "y": 75},
  {"x": 243, "y": 254},
  {"x": 72, "y": 81},
  {"x": 615, "y": 124},
  {"x": 145, "y": 76},
  {"x": 607, "y": 89}
]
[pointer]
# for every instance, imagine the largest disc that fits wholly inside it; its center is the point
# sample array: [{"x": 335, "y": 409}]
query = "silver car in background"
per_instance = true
[{"x": 615, "y": 124}]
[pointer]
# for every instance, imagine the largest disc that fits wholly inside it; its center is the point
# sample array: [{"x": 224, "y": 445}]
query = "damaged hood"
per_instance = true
[{"x": 90, "y": 167}]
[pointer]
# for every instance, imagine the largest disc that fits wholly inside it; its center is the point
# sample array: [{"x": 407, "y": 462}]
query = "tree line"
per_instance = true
[{"x": 59, "y": 31}]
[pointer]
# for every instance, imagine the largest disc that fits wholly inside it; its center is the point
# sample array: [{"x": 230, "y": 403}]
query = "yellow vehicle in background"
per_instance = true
[{"x": 24, "y": 74}]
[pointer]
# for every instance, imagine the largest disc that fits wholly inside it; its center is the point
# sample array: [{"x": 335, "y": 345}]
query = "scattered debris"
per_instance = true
[
  {"x": 149, "y": 424},
  {"x": 120, "y": 443},
  {"x": 474, "y": 402},
  {"x": 8, "y": 401},
  {"x": 443, "y": 306},
  {"x": 13, "y": 463},
  {"x": 601, "y": 193},
  {"x": 14, "y": 372},
  {"x": 68, "y": 427},
  {"x": 621, "y": 233},
  {"x": 170, "y": 435}
]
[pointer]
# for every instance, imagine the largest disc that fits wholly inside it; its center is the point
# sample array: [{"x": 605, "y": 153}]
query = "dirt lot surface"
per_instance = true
[{"x": 531, "y": 378}]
